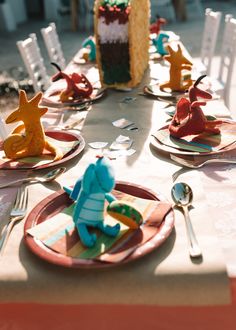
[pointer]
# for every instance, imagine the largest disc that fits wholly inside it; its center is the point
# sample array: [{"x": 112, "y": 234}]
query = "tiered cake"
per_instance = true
[{"x": 122, "y": 39}]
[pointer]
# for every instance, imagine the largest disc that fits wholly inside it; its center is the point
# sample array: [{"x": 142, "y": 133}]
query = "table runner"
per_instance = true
[{"x": 165, "y": 277}]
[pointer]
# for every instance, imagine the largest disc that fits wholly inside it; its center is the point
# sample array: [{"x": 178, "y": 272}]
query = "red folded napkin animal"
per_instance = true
[
  {"x": 189, "y": 118},
  {"x": 78, "y": 86}
]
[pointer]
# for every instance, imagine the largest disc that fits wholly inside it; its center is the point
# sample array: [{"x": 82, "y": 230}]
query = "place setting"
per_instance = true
[
  {"x": 192, "y": 137},
  {"x": 136, "y": 221},
  {"x": 179, "y": 79},
  {"x": 50, "y": 148},
  {"x": 73, "y": 91},
  {"x": 87, "y": 53},
  {"x": 159, "y": 39}
]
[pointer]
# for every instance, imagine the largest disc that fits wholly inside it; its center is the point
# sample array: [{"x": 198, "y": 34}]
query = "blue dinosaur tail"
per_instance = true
[
  {"x": 68, "y": 190},
  {"x": 74, "y": 192}
]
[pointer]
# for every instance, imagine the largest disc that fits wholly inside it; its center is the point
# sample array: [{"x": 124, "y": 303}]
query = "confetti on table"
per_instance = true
[
  {"x": 128, "y": 99},
  {"x": 98, "y": 145},
  {"x": 122, "y": 123},
  {"x": 113, "y": 154},
  {"x": 121, "y": 143},
  {"x": 122, "y": 138}
]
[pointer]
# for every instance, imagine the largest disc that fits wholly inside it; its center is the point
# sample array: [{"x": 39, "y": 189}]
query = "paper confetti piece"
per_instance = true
[
  {"x": 122, "y": 123},
  {"x": 128, "y": 99},
  {"x": 113, "y": 154},
  {"x": 122, "y": 138},
  {"x": 98, "y": 145},
  {"x": 122, "y": 142}
]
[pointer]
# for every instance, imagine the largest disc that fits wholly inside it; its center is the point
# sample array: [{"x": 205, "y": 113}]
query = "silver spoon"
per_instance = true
[
  {"x": 50, "y": 176},
  {"x": 182, "y": 196}
]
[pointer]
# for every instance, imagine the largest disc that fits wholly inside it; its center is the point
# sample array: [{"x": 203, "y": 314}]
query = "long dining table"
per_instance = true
[{"x": 163, "y": 289}]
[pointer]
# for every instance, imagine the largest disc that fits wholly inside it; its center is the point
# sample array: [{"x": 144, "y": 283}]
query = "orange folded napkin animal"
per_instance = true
[
  {"x": 178, "y": 63},
  {"x": 28, "y": 139}
]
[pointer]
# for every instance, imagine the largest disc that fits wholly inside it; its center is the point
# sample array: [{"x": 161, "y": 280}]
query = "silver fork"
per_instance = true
[
  {"x": 18, "y": 212},
  {"x": 197, "y": 164}
]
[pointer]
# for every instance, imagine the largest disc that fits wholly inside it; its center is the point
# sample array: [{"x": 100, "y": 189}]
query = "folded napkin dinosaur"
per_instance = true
[{"x": 28, "y": 139}]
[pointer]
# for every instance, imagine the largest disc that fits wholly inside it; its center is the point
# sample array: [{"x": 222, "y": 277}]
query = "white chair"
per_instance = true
[
  {"x": 34, "y": 63},
  {"x": 196, "y": 7},
  {"x": 221, "y": 85},
  {"x": 209, "y": 38},
  {"x": 53, "y": 45},
  {"x": 162, "y": 8},
  {"x": 90, "y": 15},
  {"x": 86, "y": 15}
]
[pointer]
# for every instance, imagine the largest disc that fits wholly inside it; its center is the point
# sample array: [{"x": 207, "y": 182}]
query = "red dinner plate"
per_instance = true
[
  {"x": 156, "y": 144},
  {"x": 56, "y": 202},
  {"x": 58, "y": 135}
]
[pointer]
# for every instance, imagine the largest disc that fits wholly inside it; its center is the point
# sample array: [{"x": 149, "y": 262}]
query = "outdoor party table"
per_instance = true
[{"x": 163, "y": 289}]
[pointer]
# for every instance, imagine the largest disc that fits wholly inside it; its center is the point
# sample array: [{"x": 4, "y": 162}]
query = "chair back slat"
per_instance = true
[
  {"x": 227, "y": 59},
  {"x": 53, "y": 45},
  {"x": 34, "y": 62},
  {"x": 211, "y": 28}
]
